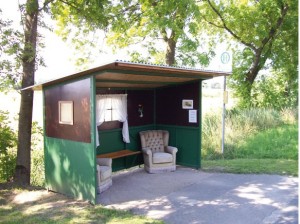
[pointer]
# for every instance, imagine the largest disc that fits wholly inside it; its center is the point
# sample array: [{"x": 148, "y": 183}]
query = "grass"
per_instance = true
[
  {"x": 256, "y": 147},
  {"x": 274, "y": 143},
  {"x": 39, "y": 206},
  {"x": 240, "y": 124},
  {"x": 250, "y": 166}
]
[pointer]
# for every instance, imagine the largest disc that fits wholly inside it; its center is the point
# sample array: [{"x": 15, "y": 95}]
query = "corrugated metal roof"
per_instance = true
[
  {"x": 168, "y": 66},
  {"x": 126, "y": 74}
]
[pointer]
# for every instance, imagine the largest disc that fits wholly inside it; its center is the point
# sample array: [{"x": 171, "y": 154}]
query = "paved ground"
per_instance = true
[{"x": 191, "y": 196}]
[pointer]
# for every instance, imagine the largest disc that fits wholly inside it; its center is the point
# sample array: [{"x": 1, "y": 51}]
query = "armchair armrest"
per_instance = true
[
  {"x": 147, "y": 151},
  {"x": 104, "y": 161},
  {"x": 171, "y": 149},
  {"x": 98, "y": 169},
  {"x": 98, "y": 175}
]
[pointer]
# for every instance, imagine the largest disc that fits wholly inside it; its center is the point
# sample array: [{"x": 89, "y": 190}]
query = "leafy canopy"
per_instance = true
[
  {"x": 263, "y": 34},
  {"x": 168, "y": 30},
  {"x": 10, "y": 52}
]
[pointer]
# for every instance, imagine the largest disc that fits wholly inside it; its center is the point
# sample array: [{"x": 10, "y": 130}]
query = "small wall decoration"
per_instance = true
[
  {"x": 187, "y": 104},
  {"x": 192, "y": 116},
  {"x": 65, "y": 112},
  {"x": 140, "y": 110}
]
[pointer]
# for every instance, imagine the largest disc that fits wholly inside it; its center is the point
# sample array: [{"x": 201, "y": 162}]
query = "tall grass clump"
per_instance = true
[
  {"x": 290, "y": 115},
  {"x": 37, "y": 174},
  {"x": 240, "y": 124},
  {"x": 211, "y": 132}
]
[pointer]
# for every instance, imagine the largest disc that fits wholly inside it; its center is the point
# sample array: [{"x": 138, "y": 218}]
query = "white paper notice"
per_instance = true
[{"x": 192, "y": 116}]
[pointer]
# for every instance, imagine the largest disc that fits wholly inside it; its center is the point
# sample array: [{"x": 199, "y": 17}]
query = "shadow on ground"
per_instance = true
[{"x": 191, "y": 196}]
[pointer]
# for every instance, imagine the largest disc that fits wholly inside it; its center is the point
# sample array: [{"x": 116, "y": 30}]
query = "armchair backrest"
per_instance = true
[{"x": 156, "y": 140}]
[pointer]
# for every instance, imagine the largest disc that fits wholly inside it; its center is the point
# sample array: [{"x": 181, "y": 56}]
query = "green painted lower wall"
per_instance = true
[
  {"x": 186, "y": 139},
  {"x": 70, "y": 168},
  {"x": 188, "y": 142},
  {"x": 111, "y": 141}
]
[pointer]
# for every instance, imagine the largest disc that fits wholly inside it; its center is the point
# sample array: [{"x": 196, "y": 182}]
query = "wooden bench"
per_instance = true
[{"x": 119, "y": 154}]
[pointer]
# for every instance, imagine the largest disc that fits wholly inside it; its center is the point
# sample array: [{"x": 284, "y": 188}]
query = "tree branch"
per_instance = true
[
  {"x": 260, "y": 57},
  {"x": 71, "y": 5},
  {"x": 46, "y": 3},
  {"x": 211, "y": 23},
  {"x": 250, "y": 45},
  {"x": 130, "y": 8},
  {"x": 164, "y": 35},
  {"x": 279, "y": 23}
]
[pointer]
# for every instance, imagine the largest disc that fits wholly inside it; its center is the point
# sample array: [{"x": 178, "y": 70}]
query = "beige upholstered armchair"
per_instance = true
[
  {"x": 104, "y": 174},
  {"x": 158, "y": 156}
]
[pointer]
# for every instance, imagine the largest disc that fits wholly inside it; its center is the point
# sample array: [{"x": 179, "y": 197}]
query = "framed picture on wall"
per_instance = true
[
  {"x": 65, "y": 112},
  {"x": 187, "y": 104}
]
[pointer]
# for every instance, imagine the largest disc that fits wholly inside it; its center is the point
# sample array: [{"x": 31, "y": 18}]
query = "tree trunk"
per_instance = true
[
  {"x": 170, "y": 54},
  {"x": 257, "y": 64},
  {"x": 22, "y": 171}
]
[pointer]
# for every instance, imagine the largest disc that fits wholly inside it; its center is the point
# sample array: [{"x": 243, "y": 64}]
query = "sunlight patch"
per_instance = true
[{"x": 29, "y": 196}]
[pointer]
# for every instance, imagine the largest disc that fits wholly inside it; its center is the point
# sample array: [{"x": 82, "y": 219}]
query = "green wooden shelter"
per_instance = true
[{"x": 170, "y": 98}]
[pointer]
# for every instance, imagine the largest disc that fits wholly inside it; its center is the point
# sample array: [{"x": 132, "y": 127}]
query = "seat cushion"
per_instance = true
[
  {"x": 105, "y": 173},
  {"x": 162, "y": 157}
]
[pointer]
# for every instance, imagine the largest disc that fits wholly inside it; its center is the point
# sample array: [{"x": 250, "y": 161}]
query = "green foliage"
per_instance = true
[
  {"x": 240, "y": 125},
  {"x": 8, "y": 141},
  {"x": 262, "y": 34},
  {"x": 80, "y": 22},
  {"x": 10, "y": 51},
  {"x": 143, "y": 24},
  {"x": 275, "y": 91},
  {"x": 8, "y": 152},
  {"x": 13, "y": 50},
  {"x": 8, "y": 164}
]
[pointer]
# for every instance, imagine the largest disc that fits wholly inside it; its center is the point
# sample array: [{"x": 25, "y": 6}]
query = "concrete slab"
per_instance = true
[{"x": 192, "y": 196}]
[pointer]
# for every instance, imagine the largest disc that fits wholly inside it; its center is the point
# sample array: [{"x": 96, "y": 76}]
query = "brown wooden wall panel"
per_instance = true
[
  {"x": 169, "y": 104},
  {"x": 79, "y": 93},
  {"x": 146, "y": 99}
]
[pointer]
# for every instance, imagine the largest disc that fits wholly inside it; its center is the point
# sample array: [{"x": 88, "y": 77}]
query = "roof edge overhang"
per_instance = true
[{"x": 133, "y": 67}]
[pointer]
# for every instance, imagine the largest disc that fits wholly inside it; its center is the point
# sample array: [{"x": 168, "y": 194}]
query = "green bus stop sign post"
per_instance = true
[{"x": 225, "y": 59}]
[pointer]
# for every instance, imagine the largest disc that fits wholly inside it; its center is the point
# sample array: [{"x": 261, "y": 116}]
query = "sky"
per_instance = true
[{"x": 59, "y": 56}]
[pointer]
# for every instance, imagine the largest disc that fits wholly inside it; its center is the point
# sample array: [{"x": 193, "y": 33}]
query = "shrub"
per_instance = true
[
  {"x": 8, "y": 141},
  {"x": 278, "y": 91},
  {"x": 8, "y": 164},
  {"x": 8, "y": 152}
]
